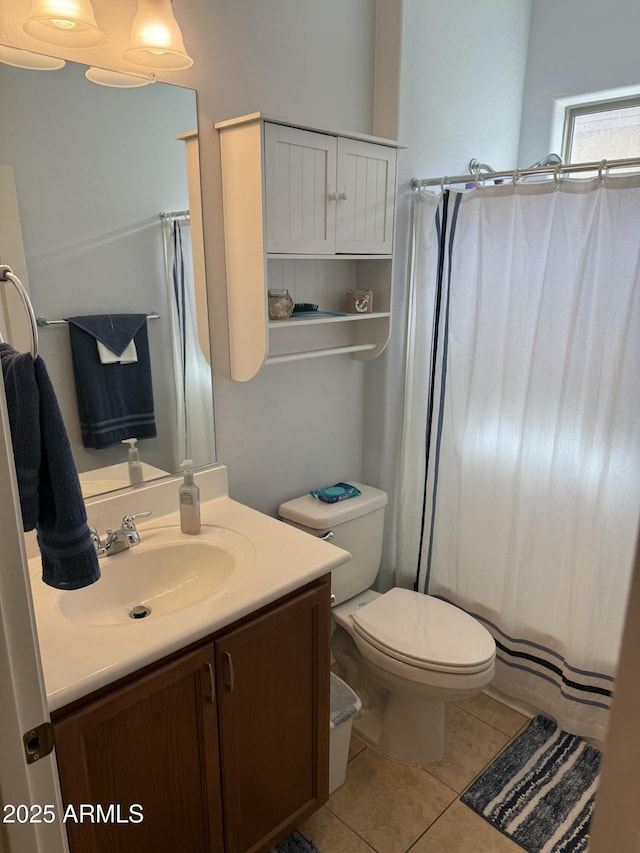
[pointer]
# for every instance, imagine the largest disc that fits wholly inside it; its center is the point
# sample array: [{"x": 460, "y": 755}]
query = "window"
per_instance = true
[{"x": 603, "y": 130}]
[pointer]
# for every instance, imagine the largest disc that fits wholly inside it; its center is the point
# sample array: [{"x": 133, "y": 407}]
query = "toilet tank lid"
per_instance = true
[{"x": 319, "y": 515}]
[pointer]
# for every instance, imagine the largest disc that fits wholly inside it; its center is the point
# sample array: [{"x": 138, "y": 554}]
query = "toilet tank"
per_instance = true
[{"x": 356, "y": 524}]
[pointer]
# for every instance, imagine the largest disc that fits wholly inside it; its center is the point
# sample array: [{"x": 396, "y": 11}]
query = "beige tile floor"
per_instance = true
[{"x": 388, "y": 807}]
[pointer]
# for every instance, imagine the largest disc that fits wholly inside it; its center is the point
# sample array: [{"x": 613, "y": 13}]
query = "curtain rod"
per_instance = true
[
  {"x": 175, "y": 214},
  {"x": 478, "y": 179},
  {"x": 44, "y": 321}
]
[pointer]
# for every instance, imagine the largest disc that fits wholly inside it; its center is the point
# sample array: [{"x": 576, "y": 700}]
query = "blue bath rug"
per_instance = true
[
  {"x": 295, "y": 843},
  {"x": 540, "y": 791}
]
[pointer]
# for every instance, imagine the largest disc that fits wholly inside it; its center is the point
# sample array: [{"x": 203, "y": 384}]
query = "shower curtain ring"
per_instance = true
[
  {"x": 556, "y": 176},
  {"x": 514, "y": 178},
  {"x": 443, "y": 181},
  {"x": 601, "y": 169}
]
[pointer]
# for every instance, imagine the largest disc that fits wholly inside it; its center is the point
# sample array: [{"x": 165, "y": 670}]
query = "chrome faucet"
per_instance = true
[{"x": 118, "y": 540}]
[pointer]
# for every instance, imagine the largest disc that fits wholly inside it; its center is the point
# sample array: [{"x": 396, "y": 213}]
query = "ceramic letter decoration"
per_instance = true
[{"x": 359, "y": 301}]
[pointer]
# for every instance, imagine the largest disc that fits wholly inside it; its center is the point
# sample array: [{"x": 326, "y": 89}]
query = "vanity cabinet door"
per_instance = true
[
  {"x": 300, "y": 170},
  {"x": 273, "y": 706},
  {"x": 152, "y": 742}
]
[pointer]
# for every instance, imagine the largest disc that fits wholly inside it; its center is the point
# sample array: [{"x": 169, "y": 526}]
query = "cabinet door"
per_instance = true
[
  {"x": 300, "y": 175},
  {"x": 154, "y": 743},
  {"x": 366, "y": 197},
  {"x": 273, "y": 705}
]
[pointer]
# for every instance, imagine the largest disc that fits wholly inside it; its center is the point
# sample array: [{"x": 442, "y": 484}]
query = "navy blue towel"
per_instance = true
[
  {"x": 115, "y": 401},
  {"x": 50, "y": 495},
  {"x": 23, "y": 404}
]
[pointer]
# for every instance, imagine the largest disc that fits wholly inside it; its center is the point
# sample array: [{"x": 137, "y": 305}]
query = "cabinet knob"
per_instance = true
[
  {"x": 342, "y": 196},
  {"x": 332, "y": 196}
]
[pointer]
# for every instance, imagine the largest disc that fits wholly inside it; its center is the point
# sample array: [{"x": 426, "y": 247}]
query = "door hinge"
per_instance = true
[{"x": 38, "y": 742}]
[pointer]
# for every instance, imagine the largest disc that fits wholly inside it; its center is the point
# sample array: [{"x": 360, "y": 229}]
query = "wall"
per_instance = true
[
  {"x": 577, "y": 47},
  {"x": 92, "y": 237}
]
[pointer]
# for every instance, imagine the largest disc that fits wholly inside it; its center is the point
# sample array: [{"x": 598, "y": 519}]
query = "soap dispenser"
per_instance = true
[
  {"x": 189, "y": 495},
  {"x": 135, "y": 466}
]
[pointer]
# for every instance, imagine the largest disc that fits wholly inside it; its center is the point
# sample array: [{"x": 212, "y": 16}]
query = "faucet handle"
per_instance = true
[
  {"x": 95, "y": 538},
  {"x": 128, "y": 521}
]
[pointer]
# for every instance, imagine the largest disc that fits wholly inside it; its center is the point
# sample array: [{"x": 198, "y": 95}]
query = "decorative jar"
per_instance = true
[{"x": 280, "y": 304}]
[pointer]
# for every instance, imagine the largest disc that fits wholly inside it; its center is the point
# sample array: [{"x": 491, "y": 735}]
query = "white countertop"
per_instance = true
[
  {"x": 101, "y": 480},
  {"x": 78, "y": 658}
]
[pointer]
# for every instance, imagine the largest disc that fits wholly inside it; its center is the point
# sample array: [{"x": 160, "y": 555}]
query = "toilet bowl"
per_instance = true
[
  {"x": 407, "y": 655},
  {"x": 404, "y": 653}
]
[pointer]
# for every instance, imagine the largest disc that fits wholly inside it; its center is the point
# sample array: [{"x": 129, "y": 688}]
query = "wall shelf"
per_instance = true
[
  {"x": 310, "y": 320},
  {"x": 311, "y": 212},
  {"x": 340, "y": 257}
]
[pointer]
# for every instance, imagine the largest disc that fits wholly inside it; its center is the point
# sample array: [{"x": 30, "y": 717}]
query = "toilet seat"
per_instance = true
[{"x": 425, "y": 632}]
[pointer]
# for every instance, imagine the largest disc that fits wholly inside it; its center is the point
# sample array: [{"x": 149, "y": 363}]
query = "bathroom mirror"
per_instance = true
[{"x": 86, "y": 171}]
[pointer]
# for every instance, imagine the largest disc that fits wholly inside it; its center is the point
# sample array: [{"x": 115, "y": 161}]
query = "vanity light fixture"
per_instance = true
[
  {"x": 116, "y": 79},
  {"x": 26, "y": 59},
  {"x": 156, "y": 41},
  {"x": 67, "y": 23}
]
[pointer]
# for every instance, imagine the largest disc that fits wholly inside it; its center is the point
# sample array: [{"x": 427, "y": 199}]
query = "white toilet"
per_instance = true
[{"x": 404, "y": 653}]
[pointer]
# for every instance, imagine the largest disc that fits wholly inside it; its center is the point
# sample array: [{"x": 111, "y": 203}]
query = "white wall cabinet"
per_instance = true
[
  {"x": 327, "y": 194},
  {"x": 313, "y": 212}
]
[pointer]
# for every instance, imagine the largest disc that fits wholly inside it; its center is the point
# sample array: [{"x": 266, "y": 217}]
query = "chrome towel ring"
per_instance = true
[{"x": 7, "y": 274}]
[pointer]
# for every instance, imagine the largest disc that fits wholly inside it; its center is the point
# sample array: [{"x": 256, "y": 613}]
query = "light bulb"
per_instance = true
[
  {"x": 155, "y": 34},
  {"x": 63, "y": 24}
]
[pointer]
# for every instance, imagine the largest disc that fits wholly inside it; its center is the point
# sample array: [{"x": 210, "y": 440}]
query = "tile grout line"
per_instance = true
[
  {"x": 511, "y": 738},
  {"x": 490, "y": 762},
  {"x": 459, "y": 795},
  {"x": 432, "y": 824},
  {"x": 350, "y": 828},
  {"x": 491, "y": 725}
]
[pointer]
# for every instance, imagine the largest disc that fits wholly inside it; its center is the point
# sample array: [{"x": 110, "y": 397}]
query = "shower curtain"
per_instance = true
[
  {"x": 194, "y": 409},
  {"x": 520, "y": 470}
]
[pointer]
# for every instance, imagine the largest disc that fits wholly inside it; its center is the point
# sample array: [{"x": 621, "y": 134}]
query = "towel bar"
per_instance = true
[
  {"x": 7, "y": 274},
  {"x": 44, "y": 321}
]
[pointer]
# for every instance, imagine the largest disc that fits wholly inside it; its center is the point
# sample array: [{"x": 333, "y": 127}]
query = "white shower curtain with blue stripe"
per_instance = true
[
  {"x": 520, "y": 471},
  {"x": 192, "y": 371}
]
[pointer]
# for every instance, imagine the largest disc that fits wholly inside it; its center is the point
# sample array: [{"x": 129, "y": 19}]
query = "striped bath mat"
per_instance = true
[
  {"x": 540, "y": 791},
  {"x": 295, "y": 843}
]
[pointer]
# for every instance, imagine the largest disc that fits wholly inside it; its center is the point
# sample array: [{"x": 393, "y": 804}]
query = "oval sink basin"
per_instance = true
[{"x": 167, "y": 572}]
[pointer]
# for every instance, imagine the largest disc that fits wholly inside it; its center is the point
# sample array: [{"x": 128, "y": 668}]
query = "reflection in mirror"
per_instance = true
[{"x": 85, "y": 173}]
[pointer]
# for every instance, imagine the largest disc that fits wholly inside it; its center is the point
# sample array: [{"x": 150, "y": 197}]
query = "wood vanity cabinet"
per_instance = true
[
  {"x": 225, "y": 746},
  {"x": 273, "y": 711},
  {"x": 152, "y": 742}
]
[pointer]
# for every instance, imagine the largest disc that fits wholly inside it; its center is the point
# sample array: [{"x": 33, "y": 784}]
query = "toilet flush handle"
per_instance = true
[{"x": 328, "y": 536}]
